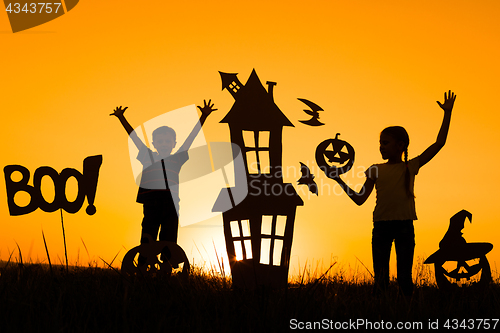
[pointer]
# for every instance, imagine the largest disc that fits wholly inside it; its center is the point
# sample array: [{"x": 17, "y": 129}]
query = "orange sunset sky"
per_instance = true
[{"x": 368, "y": 64}]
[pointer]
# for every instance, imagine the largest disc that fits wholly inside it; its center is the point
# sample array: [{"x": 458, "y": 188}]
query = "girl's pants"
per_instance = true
[{"x": 403, "y": 235}]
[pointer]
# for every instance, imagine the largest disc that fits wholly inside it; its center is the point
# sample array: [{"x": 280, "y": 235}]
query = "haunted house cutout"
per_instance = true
[{"x": 259, "y": 230}]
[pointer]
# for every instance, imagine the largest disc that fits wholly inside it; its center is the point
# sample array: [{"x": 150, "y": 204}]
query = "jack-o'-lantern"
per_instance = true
[
  {"x": 457, "y": 260},
  {"x": 340, "y": 156},
  {"x": 156, "y": 258}
]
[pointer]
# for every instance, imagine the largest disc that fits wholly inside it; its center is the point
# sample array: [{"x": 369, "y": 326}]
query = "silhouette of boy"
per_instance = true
[{"x": 160, "y": 177}]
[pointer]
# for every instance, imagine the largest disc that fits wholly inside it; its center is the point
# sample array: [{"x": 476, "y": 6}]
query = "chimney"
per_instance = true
[{"x": 270, "y": 86}]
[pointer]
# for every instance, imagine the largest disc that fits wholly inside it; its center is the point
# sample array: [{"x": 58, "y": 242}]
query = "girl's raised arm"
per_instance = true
[{"x": 433, "y": 149}]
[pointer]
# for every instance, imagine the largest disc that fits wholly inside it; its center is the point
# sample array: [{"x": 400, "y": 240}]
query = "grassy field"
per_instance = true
[{"x": 94, "y": 299}]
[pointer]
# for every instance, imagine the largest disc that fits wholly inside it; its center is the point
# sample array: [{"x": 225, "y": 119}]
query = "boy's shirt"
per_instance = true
[{"x": 154, "y": 188}]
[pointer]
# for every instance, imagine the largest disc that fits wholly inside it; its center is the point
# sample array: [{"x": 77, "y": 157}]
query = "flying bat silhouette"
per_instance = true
[
  {"x": 313, "y": 112},
  {"x": 307, "y": 179}
]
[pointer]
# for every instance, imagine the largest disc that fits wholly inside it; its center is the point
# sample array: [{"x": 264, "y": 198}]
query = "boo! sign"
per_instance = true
[{"x": 87, "y": 186}]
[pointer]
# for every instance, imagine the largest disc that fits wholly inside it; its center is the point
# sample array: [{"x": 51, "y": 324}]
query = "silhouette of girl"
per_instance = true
[{"x": 395, "y": 207}]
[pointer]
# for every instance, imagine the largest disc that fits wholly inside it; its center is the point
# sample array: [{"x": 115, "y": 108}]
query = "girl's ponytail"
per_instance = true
[
  {"x": 400, "y": 134},
  {"x": 407, "y": 176}
]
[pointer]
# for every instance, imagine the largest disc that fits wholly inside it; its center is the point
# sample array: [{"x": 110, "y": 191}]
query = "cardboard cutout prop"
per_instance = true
[
  {"x": 259, "y": 230},
  {"x": 340, "y": 156},
  {"x": 453, "y": 247},
  {"x": 313, "y": 112},
  {"x": 161, "y": 258},
  {"x": 307, "y": 178},
  {"x": 87, "y": 186}
]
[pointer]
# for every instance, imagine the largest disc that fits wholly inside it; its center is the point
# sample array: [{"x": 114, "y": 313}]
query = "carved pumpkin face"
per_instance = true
[
  {"x": 155, "y": 258},
  {"x": 462, "y": 273},
  {"x": 458, "y": 263},
  {"x": 340, "y": 156}
]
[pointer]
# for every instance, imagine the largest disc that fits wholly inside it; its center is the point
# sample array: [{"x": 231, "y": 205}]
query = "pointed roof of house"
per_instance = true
[{"x": 254, "y": 108}]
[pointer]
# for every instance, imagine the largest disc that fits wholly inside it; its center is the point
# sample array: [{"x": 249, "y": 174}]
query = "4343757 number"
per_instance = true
[
  {"x": 34, "y": 7},
  {"x": 472, "y": 324}
]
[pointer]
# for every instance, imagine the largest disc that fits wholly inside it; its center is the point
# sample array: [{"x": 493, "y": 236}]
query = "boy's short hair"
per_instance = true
[{"x": 164, "y": 130}]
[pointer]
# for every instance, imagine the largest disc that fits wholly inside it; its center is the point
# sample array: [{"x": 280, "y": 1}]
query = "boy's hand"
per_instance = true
[
  {"x": 449, "y": 100},
  {"x": 207, "y": 108},
  {"x": 118, "y": 111}
]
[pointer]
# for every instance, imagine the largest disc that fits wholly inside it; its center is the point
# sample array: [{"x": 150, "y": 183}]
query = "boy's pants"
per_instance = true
[
  {"x": 403, "y": 235},
  {"x": 156, "y": 216},
  {"x": 159, "y": 217}
]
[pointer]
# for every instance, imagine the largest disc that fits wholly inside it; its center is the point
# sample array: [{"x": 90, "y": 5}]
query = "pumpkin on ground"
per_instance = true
[
  {"x": 161, "y": 257},
  {"x": 469, "y": 258}
]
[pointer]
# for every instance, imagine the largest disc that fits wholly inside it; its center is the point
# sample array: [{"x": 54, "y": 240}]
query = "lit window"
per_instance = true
[
  {"x": 280, "y": 225},
  {"x": 264, "y": 139},
  {"x": 249, "y": 139},
  {"x": 248, "y": 248},
  {"x": 267, "y": 224},
  {"x": 265, "y": 248},
  {"x": 278, "y": 248},
  {"x": 273, "y": 234},
  {"x": 240, "y": 232},
  {"x": 257, "y": 151},
  {"x": 235, "y": 229},
  {"x": 265, "y": 166},
  {"x": 252, "y": 164},
  {"x": 238, "y": 251},
  {"x": 234, "y": 86},
  {"x": 245, "y": 227}
]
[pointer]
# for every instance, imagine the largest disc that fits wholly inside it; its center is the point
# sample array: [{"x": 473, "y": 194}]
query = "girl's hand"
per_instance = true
[
  {"x": 449, "y": 100},
  {"x": 118, "y": 111}
]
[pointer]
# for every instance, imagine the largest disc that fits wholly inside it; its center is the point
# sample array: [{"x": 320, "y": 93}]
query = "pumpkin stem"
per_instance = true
[{"x": 337, "y": 136}]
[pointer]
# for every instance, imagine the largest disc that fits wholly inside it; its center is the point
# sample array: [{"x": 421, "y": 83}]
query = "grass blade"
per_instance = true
[
  {"x": 64, "y": 238},
  {"x": 47, "y": 250},
  {"x": 218, "y": 261},
  {"x": 112, "y": 261},
  {"x": 364, "y": 266},
  {"x": 20, "y": 255}
]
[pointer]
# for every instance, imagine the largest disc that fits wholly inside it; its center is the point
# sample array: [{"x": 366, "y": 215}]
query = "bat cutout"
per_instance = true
[
  {"x": 307, "y": 179},
  {"x": 313, "y": 112}
]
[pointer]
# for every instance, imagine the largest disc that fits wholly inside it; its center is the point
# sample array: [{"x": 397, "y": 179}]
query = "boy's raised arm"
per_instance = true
[
  {"x": 447, "y": 106},
  {"x": 119, "y": 113},
  {"x": 205, "y": 112}
]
